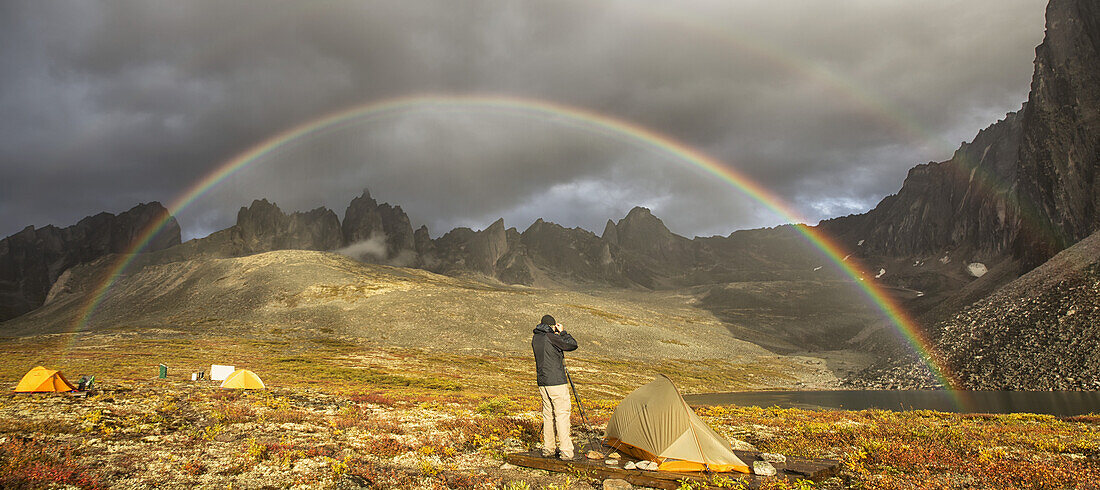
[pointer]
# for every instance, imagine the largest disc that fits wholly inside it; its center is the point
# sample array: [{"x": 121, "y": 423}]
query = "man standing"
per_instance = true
[{"x": 550, "y": 341}]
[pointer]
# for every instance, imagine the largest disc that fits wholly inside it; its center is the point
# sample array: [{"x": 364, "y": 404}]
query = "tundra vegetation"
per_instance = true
[{"x": 340, "y": 414}]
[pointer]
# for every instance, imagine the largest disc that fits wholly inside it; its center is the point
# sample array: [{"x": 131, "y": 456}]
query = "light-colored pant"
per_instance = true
[{"x": 555, "y": 412}]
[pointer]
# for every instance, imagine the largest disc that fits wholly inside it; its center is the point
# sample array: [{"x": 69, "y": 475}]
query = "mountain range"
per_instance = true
[{"x": 962, "y": 245}]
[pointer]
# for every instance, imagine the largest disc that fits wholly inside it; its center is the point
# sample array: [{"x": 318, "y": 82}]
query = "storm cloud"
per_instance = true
[{"x": 826, "y": 104}]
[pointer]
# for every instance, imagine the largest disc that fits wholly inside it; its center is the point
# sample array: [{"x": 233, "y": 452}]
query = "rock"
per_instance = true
[
  {"x": 593, "y": 455},
  {"x": 507, "y": 466},
  {"x": 773, "y": 458},
  {"x": 32, "y": 260},
  {"x": 739, "y": 445},
  {"x": 940, "y": 207},
  {"x": 487, "y": 246},
  {"x": 763, "y": 468},
  {"x": 1020, "y": 337},
  {"x": 610, "y": 233},
  {"x": 616, "y": 484},
  {"x": 614, "y": 455},
  {"x": 630, "y": 465},
  {"x": 365, "y": 219},
  {"x": 644, "y": 233},
  {"x": 361, "y": 219},
  {"x": 1061, "y": 137},
  {"x": 611, "y": 462},
  {"x": 263, "y": 227},
  {"x": 512, "y": 444}
]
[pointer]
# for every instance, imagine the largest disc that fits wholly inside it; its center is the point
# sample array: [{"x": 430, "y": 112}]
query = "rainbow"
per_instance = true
[{"x": 552, "y": 112}]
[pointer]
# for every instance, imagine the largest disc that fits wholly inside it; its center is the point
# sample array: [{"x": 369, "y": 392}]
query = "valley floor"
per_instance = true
[{"x": 338, "y": 414}]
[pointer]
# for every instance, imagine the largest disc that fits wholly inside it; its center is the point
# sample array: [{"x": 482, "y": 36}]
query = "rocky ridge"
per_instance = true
[
  {"x": 961, "y": 205},
  {"x": 33, "y": 259}
]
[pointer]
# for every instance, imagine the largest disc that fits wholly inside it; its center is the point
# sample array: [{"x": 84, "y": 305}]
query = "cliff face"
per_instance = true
[
  {"x": 366, "y": 220},
  {"x": 1059, "y": 166},
  {"x": 963, "y": 204},
  {"x": 263, "y": 227},
  {"x": 31, "y": 260}
]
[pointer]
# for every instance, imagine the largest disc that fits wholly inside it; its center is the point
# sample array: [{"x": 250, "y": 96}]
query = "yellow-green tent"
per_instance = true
[
  {"x": 654, "y": 423},
  {"x": 42, "y": 379},
  {"x": 243, "y": 379}
]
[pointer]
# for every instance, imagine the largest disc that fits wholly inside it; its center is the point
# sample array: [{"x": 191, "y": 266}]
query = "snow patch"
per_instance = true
[
  {"x": 859, "y": 243},
  {"x": 920, "y": 293},
  {"x": 945, "y": 259},
  {"x": 881, "y": 272},
  {"x": 845, "y": 259},
  {"x": 976, "y": 269},
  {"x": 817, "y": 268}
]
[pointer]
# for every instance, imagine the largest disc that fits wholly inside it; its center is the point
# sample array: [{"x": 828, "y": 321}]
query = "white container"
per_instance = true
[{"x": 219, "y": 372}]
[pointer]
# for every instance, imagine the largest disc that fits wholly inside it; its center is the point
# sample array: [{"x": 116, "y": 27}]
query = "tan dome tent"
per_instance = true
[
  {"x": 655, "y": 423},
  {"x": 42, "y": 379},
  {"x": 243, "y": 379}
]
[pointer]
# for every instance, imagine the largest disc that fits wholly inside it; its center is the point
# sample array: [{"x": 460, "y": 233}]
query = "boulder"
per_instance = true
[
  {"x": 773, "y": 458},
  {"x": 616, "y": 484},
  {"x": 763, "y": 468}
]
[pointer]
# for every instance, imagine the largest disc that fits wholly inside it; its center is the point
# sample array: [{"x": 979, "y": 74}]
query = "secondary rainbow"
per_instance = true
[{"x": 551, "y": 112}]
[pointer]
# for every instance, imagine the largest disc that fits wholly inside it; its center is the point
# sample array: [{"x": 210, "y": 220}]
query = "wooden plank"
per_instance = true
[
  {"x": 583, "y": 469},
  {"x": 795, "y": 468}
]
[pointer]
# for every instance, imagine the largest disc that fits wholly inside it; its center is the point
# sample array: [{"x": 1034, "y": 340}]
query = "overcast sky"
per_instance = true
[{"x": 826, "y": 103}]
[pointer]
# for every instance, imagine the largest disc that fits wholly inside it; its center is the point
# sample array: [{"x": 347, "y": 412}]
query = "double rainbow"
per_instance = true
[{"x": 554, "y": 113}]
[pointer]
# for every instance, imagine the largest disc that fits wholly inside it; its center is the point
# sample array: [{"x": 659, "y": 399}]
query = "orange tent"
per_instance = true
[
  {"x": 243, "y": 379},
  {"x": 42, "y": 379}
]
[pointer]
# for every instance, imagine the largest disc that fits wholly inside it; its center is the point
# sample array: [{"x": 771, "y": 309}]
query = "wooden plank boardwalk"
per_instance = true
[{"x": 793, "y": 469}]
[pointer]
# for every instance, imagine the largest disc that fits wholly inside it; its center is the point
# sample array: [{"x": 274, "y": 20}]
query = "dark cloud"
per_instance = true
[{"x": 827, "y": 104}]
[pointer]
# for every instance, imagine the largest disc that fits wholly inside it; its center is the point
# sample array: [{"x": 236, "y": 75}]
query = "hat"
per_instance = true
[{"x": 548, "y": 320}]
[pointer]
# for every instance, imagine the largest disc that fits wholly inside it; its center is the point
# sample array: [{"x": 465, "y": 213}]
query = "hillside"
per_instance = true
[
  {"x": 307, "y": 294},
  {"x": 1039, "y": 332}
]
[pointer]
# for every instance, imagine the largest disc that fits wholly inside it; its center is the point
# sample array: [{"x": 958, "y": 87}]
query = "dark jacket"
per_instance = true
[{"x": 550, "y": 350}]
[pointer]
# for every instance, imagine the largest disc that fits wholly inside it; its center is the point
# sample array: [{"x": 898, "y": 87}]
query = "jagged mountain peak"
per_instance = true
[
  {"x": 33, "y": 259},
  {"x": 497, "y": 225},
  {"x": 610, "y": 234}
]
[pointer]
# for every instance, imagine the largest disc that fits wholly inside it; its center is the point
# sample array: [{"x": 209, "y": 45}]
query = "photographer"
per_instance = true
[{"x": 550, "y": 342}]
